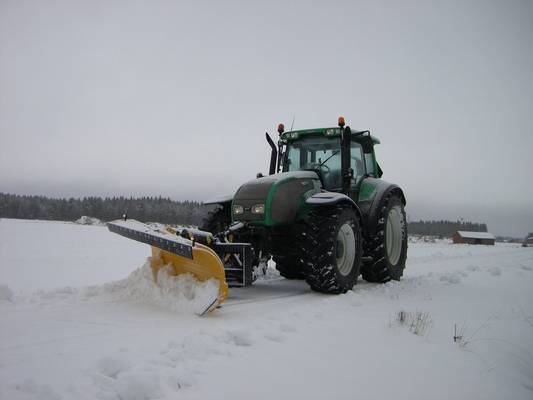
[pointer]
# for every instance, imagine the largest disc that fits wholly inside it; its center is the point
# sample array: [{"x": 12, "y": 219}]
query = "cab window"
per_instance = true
[
  {"x": 357, "y": 162},
  {"x": 369, "y": 163},
  {"x": 324, "y": 154},
  {"x": 317, "y": 153}
]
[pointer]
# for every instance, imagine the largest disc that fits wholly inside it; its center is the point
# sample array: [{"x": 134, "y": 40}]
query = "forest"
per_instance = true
[
  {"x": 444, "y": 228},
  {"x": 154, "y": 209}
]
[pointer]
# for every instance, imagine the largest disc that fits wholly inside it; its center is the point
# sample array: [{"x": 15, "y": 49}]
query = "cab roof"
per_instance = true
[{"x": 328, "y": 132}]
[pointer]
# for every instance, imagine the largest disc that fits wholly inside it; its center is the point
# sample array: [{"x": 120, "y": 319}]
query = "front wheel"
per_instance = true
[
  {"x": 289, "y": 267},
  {"x": 333, "y": 249}
]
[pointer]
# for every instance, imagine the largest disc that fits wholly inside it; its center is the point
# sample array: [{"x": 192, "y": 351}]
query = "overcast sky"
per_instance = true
[{"x": 173, "y": 98}]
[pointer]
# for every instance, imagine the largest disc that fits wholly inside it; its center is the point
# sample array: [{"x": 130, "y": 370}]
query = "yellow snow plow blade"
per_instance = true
[
  {"x": 204, "y": 265},
  {"x": 181, "y": 254}
]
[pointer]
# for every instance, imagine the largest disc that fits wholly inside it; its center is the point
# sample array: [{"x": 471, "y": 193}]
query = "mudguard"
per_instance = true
[
  {"x": 333, "y": 198},
  {"x": 225, "y": 199},
  {"x": 371, "y": 209}
]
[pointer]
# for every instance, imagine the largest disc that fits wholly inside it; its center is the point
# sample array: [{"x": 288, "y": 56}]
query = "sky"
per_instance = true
[{"x": 174, "y": 98}]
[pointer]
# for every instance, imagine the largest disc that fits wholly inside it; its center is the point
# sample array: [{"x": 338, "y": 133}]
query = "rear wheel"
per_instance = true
[
  {"x": 333, "y": 249},
  {"x": 387, "y": 248}
]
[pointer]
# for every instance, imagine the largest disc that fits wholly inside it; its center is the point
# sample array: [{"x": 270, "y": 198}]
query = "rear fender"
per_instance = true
[{"x": 382, "y": 191}]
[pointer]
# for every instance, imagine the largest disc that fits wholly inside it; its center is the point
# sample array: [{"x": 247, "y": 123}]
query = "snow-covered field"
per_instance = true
[{"x": 73, "y": 325}]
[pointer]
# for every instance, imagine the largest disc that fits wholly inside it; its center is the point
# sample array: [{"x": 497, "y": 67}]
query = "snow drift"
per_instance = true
[
  {"x": 181, "y": 293},
  {"x": 85, "y": 220}
]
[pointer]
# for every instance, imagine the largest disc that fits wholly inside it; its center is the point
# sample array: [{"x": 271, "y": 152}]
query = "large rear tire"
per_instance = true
[
  {"x": 386, "y": 250},
  {"x": 333, "y": 249}
]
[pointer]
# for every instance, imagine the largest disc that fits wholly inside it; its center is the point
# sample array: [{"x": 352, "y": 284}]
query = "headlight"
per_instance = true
[
  {"x": 238, "y": 210},
  {"x": 258, "y": 209}
]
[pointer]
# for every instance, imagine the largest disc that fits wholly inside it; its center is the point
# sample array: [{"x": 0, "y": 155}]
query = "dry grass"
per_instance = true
[{"x": 418, "y": 322}]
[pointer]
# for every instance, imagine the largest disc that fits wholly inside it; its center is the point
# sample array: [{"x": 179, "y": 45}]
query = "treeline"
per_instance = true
[
  {"x": 155, "y": 209},
  {"x": 444, "y": 228},
  {"x": 160, "y": 209}
]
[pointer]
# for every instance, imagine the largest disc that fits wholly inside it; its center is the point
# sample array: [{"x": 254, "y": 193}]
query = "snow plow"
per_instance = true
[
  {"x": 186, "y": 250},
  {"x": 323, "y": 214}
]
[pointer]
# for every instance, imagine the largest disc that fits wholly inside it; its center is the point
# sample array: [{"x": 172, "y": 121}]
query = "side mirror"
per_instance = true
[{"x": 259, "y": 175}]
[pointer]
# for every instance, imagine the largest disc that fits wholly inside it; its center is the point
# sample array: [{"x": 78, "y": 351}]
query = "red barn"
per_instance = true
[{"x": 474, "y": 238}]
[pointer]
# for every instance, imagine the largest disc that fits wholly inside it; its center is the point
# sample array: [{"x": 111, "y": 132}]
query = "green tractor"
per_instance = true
[{"x": 323, "y": 214}]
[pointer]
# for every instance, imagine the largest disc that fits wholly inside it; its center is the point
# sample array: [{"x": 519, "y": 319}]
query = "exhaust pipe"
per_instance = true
[{"x": 273, "y": 155}]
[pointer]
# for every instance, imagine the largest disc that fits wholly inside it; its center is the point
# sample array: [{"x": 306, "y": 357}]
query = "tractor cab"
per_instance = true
[
  {"x": 323, "y": 155},
  {"x": 322, "y": 151}
]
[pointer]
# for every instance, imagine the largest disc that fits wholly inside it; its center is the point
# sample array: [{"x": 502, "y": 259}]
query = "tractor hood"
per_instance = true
[{"x": 281, "y": 195}]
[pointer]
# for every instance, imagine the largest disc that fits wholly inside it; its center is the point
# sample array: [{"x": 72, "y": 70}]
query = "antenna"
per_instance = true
[{"x": 293, "y": 118}]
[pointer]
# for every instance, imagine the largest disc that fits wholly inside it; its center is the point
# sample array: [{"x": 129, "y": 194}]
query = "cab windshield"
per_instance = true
[
  {"x": 312, "y": 152},
  {"x": 322, "y": 154}
]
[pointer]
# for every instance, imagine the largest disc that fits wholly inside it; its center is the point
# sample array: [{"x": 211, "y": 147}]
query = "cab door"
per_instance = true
[{"x": 357, "y": 164}]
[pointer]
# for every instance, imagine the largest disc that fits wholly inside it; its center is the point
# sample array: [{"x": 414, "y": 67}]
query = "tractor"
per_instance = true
[{"x": 323, "y": 214}]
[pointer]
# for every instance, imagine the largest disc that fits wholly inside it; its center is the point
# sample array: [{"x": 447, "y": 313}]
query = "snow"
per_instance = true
[
  {"x": 181, "y": 293},
  {"x": 476, "y": 235},
  {"x": 85, "y": 220},
  {"x": 80, "y": 318},
  {"x": 43, "y": 255}
]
